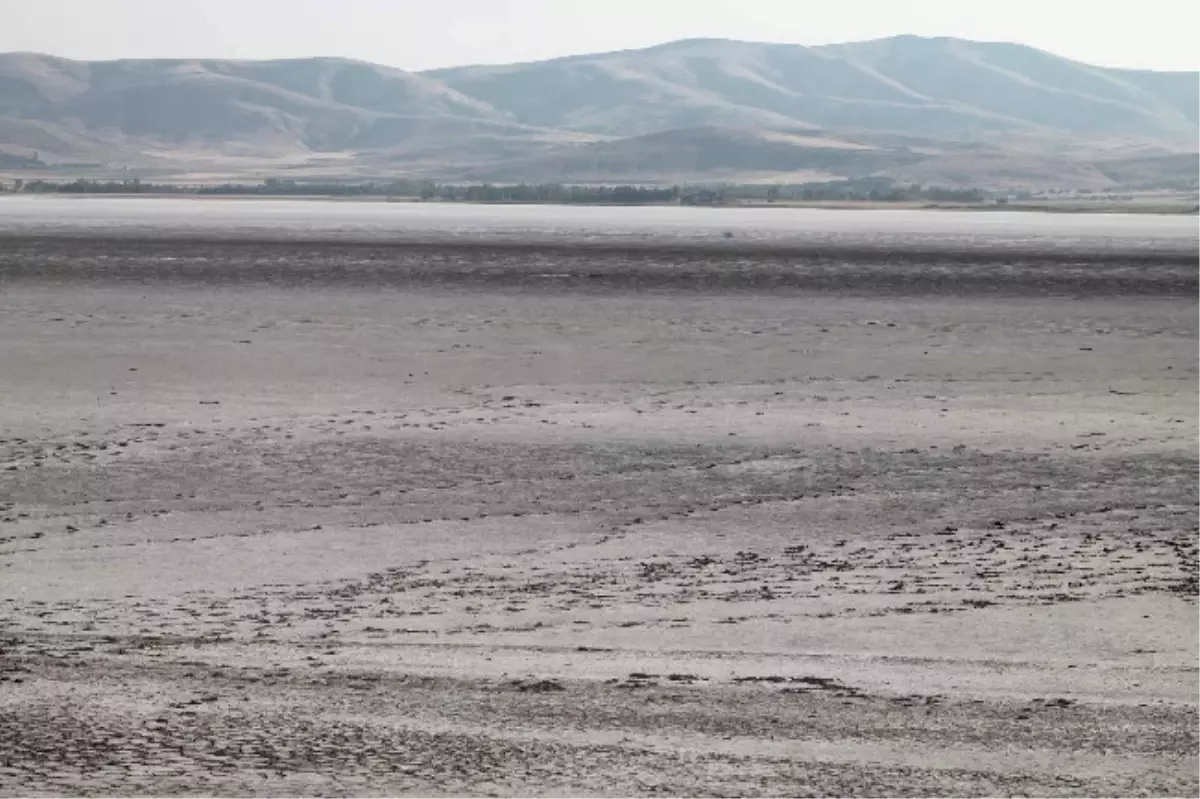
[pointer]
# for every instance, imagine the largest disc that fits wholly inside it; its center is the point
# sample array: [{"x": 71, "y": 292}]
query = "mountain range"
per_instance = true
[{"x": 938, "y": 111}]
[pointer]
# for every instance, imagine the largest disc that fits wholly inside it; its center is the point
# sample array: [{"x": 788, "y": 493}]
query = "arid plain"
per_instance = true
[{"x": 302, "y": 517}]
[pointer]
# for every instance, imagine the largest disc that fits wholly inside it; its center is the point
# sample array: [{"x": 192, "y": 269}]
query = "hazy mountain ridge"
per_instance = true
[
  {"x": 903, "y": 84},
  {"x": 932, "y": 110},
  {"x": 312, "y": 102}
]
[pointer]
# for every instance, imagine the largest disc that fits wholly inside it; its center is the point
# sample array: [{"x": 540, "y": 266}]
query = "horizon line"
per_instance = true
[{"x": 599, "y": 53}]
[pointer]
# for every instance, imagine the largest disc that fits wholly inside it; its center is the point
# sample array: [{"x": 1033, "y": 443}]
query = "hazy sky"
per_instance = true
[{"x": 421, "y": 34}]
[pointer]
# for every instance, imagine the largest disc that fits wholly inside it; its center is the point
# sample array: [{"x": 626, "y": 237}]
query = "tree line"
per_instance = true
[{"x": 862, "y": 189}]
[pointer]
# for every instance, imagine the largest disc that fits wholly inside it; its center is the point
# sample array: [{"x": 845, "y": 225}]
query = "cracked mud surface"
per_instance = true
[{"x": 361, "y": 536}]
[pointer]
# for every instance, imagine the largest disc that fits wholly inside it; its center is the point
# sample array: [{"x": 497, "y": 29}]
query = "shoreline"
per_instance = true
[
  {"x": 589, "y": 270},
  {"x": 717, "y": 250}
]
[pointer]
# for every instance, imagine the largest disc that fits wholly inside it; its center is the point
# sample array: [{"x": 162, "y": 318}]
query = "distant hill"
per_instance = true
[
  {"x": 741, "y": 154},
  {"x": 930, "y": 110},
  {"x": 318, "y": 104},
  {"x": 904, "y": 84}
]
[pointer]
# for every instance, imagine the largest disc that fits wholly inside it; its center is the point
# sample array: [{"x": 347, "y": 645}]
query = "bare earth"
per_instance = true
[{"x": 278, "y": 519}]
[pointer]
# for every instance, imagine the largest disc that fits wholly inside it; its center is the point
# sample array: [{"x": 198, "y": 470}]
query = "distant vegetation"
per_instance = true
[
  {"x": 867, "y": 189},
  {"x": 882, "y": 190}
]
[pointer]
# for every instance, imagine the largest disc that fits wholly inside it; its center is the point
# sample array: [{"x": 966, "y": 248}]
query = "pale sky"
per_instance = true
[{"x": 423, "y": 34}]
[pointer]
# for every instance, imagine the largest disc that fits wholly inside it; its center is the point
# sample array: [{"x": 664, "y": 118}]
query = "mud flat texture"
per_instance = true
[{"x": 358, "y": 518}]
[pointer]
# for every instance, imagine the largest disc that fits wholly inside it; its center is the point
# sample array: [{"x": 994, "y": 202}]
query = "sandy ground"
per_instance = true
[{"x": 275, "y": 521}]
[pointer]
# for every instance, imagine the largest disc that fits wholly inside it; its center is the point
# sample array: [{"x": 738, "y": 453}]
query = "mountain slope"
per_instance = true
[
  {"x": 1024, "y": 83},
  {"x": 317, "y": 104},
  {"x": 736, "y": 154},
  {"x": 703, "y": 82},
  {"x": 905, "y": 84},
  {"x": 931, "y": 110}
]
